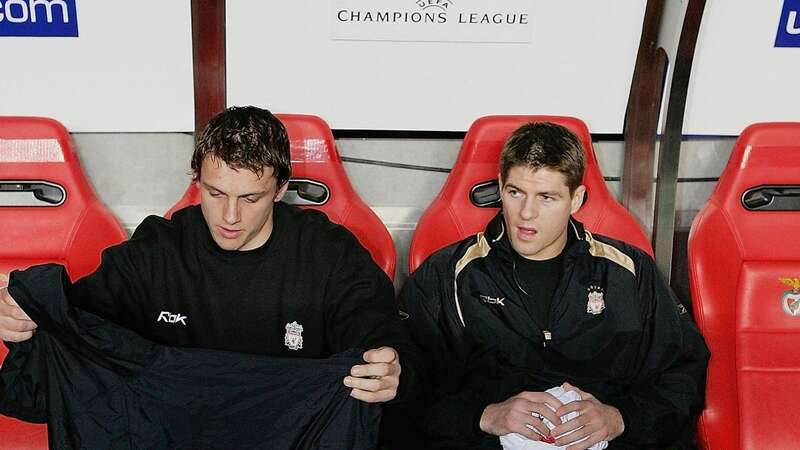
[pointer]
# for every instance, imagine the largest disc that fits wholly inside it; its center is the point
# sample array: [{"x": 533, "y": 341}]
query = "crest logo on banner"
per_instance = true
[
  {"x": 789, "y": 25},
  {"x": 439, "y": 4},
  {"x": 38, "y": 18}
]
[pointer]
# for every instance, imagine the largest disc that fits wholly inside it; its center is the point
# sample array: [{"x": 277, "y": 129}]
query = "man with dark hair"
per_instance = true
[
  {"x": 519, "y": 321},
  {"x": 245, "y": 272}
]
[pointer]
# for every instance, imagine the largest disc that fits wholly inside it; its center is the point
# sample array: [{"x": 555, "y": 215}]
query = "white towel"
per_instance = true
[{"x": 516, "y": 441}]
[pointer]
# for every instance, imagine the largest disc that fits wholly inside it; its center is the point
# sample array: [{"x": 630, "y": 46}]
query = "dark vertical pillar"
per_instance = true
[
  {"x": 641, "y": 118},
  {"x": 670, "y": 150},
  {"x": 208, "y": 51}
]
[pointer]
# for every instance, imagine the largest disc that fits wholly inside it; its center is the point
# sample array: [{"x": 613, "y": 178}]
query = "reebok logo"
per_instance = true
[
  {"x": 168, "y": 317},
  {"x": 493, "y": 300}
]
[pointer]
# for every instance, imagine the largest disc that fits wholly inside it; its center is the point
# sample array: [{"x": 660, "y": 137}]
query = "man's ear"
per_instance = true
[
  {"x": 577, "y": 199},
  {"x": 281, "y": 191}
]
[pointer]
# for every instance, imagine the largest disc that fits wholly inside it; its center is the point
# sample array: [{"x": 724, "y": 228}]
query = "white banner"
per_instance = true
[
  {"x": 431, "y": 20},
  {"x": 578, "y": 61}
]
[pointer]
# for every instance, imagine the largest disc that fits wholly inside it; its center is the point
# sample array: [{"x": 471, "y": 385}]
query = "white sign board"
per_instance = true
[
  {"x": 129, "y": 69},
  {"x": 739, "y": 76},
  {"x": 578, "y": 60},
  {"x": 432, "y": 20}
]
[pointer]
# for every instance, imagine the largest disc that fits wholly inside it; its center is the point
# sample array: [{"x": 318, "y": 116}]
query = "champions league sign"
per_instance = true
[{"x": 431, "y": 20}]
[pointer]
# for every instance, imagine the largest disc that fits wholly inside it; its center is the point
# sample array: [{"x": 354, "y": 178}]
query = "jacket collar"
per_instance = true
[{"x": 497, "y": 237}]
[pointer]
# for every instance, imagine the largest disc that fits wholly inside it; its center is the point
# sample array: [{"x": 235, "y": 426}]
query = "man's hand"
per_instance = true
[
  {"x": 377, "y": 380},
  {"x": 595, "y": 421},
  {"x": 15, "y": 325},
  {"x": 522, "y": 414}
]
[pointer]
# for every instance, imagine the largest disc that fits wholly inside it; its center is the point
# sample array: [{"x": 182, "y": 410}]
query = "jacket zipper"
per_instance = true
[{"x": 547, "y": 335}]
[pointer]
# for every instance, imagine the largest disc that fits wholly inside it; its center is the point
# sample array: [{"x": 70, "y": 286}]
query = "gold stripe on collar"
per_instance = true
[
  {"x": 502, "y": 231},
  {"x": 477, "y": 250},
  {"x": 613, "y": 254}
]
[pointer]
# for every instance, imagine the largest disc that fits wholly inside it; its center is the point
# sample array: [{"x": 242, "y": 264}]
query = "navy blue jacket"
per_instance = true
[
  {"x": 614, "y": 330},
  {"x": 98, "y": 385}
]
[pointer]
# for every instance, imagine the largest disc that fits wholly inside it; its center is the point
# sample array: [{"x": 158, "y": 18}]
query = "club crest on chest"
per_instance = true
[
  {"x": 595, "y": 302},
  {"x": 293, "y": 339}
]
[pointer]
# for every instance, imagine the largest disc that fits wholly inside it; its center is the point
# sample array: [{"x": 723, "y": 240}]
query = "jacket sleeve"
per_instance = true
[
  {"x": 23, "y": 383},
  {"x": 361, "y": 312},
  {"x": 68, "y": 344},
  {"x": 669, "y": 387},
  {"x": 458, "y": 384}
]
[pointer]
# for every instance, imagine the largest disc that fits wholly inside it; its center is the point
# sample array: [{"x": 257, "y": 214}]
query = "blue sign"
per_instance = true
[
  {"x": 789, "y": 26},
  {"x": 38, "y": 18}
]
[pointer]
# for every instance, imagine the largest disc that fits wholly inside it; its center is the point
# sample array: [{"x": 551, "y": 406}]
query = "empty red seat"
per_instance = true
[
  {"x": 63, "y": 221},
  {"x": 744, "y": 271},
  {"x": 319, "y": 181},
  {"x": 454, "y": 215}
]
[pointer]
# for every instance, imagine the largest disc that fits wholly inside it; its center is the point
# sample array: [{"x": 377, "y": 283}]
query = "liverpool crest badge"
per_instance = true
[
  {"x": 595, "y": 304},
  {"x": 790, "y": 300},
  {"x": 294, "y": 336}
]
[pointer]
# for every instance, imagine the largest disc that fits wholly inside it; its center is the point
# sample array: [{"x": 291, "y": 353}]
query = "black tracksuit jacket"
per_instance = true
[{"x": 641, "y": 353}]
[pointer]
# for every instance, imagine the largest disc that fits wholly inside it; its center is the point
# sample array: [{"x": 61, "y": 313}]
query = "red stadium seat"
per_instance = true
[
  {"x": 66, "y": 224},
  {"x": 320, "y": 182},
  {"x": 744, "y": 271},
  {"x": 453, "y": 215}
]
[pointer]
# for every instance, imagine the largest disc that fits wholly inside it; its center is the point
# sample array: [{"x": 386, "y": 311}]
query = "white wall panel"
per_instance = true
[
  {"x": 738, "y": 75},
  {"x": 579, "y": 61}
]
